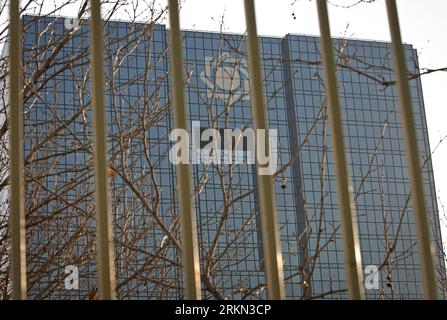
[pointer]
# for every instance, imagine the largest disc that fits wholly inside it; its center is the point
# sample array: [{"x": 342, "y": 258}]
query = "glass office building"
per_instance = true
[{"x": 59, "y": 171}]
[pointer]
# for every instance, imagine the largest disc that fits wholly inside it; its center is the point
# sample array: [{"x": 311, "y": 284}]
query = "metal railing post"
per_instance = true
[
  {"x": 352, "y": 256},
  {"x": 104, "y": 231},
  {"x": 407, "y": 119},
  {"x": 190, "y": 251},
  {"x": 270, "y": 234},
  {"x": 16, "y": 202}
]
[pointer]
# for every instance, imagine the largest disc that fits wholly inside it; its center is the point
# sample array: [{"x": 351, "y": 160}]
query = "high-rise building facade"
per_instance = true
[{"x": 59, "y": 173}]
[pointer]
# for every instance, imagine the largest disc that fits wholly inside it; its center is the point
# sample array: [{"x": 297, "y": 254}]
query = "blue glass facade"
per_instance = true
[{"x": 59, "y": 171}]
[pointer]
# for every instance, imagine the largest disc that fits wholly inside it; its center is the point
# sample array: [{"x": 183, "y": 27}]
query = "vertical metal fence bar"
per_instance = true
[
  {"x": 104, "y": 232},
  {"x": 270, "y": 235},
  {"x": 406, "y": 111},
  {"x": 16, "y": 202},
  {"x": 353, "y": 264},
  {"x": 190, "y": 251}
]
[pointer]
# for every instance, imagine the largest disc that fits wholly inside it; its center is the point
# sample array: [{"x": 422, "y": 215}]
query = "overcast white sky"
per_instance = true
[{"x": 423, "y": 24}]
